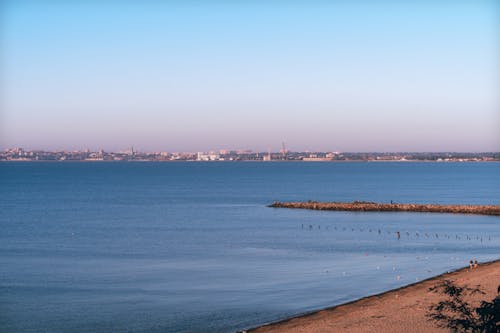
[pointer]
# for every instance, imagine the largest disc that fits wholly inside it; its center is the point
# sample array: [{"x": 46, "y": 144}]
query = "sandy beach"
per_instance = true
[{"x": 400, "y": 310}]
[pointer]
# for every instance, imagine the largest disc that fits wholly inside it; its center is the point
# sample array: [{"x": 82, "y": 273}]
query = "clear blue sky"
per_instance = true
[{"x": 198, "y": 75}]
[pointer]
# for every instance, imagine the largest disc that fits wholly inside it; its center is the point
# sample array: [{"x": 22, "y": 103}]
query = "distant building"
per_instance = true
[
  {"x": 316, "y": 158},
  {"x": 200, "y": 156}
]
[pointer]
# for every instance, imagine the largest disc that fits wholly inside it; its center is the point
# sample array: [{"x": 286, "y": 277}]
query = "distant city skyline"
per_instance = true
[
  {"x": 129, "y": 155},
  {"x": 197, "y": 76}
]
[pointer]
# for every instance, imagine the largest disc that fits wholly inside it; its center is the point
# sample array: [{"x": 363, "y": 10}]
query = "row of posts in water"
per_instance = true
[{"x": 398, "y": 234}]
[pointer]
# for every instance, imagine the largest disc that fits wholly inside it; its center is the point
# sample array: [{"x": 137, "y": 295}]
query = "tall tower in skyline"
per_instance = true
[{"x": 268, "y": 156}]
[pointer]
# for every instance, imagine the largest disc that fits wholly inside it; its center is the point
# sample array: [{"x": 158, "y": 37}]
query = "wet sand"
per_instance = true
[{"x": 399, "y": 310}]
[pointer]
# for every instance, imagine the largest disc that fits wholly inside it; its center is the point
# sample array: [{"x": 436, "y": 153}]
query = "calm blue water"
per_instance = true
[{"x": 192, "y": 247}]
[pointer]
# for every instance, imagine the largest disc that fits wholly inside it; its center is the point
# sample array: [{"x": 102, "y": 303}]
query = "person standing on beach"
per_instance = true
[{"x": 471, "y": 265}]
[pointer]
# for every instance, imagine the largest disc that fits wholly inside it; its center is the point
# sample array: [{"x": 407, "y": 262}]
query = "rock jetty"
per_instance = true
[{"x": 364, "y": 206}]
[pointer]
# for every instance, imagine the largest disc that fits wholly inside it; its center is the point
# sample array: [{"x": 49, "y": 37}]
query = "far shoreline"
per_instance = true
[{"x": 246, "y": 161}]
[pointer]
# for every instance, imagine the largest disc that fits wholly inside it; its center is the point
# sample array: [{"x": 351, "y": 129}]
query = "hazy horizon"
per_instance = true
[
  {"x": 218, "y": 150},
  {"x": 199, "y": 76}
]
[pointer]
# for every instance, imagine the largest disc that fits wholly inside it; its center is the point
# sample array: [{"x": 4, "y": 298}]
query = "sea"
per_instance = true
[{"x": 194, "y": 247}]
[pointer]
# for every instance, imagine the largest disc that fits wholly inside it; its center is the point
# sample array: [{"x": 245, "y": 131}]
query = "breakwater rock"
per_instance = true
[{"x": 364, "y": 206}]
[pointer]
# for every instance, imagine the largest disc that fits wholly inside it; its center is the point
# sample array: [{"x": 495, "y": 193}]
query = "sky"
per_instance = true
[{"x": 202, "y": 75}]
